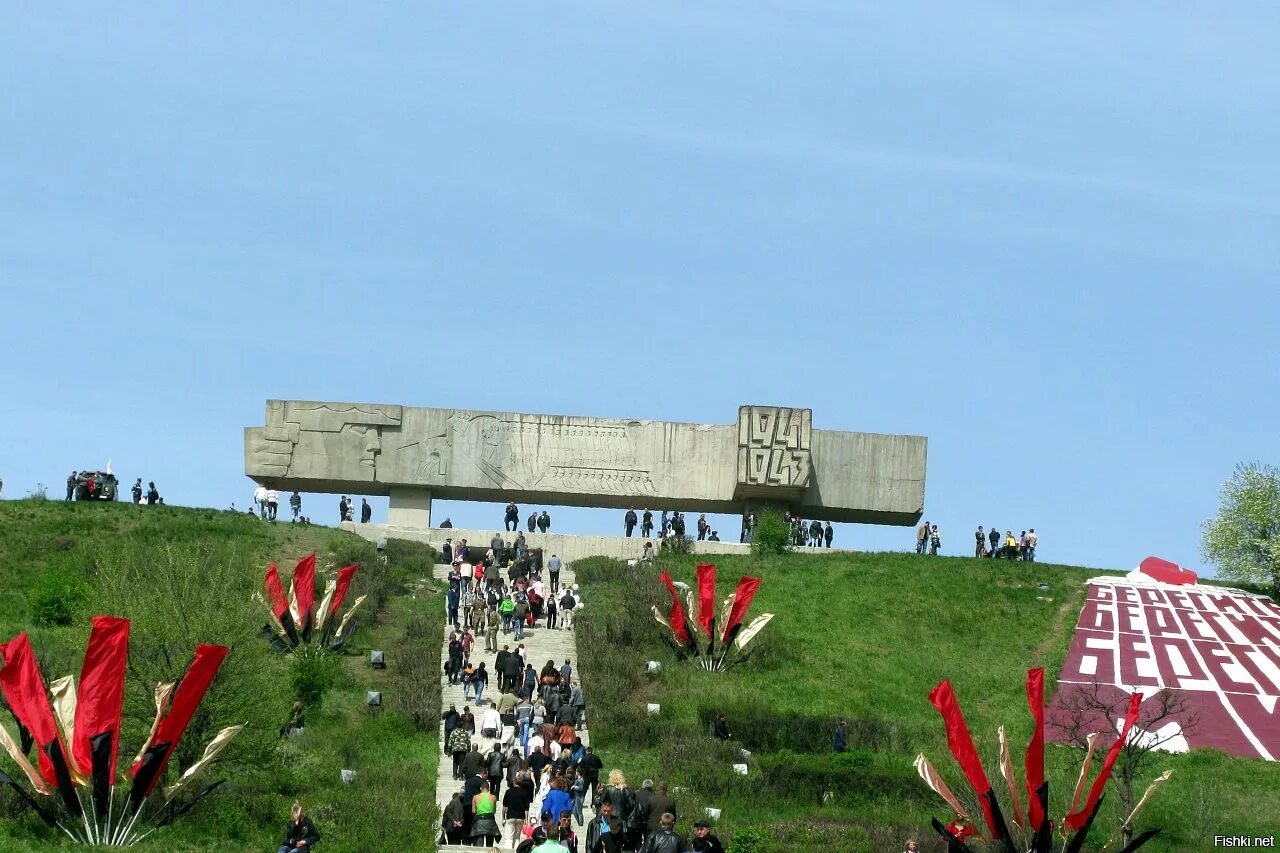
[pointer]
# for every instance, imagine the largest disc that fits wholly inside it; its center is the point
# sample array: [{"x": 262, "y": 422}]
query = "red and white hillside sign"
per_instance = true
[{"x": 1156, "y": 628}]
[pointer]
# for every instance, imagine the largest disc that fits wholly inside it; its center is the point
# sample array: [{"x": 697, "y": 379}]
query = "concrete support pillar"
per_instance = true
[{"x": 410, "y": 507}]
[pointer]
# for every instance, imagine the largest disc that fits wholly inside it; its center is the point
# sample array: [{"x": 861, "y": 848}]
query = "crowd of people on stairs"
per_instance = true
[{"x": 526, "y": 776}]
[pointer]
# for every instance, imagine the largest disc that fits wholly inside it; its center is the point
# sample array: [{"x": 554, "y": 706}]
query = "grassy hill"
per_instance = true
[
  {"x": 865, "y": 636},
  {"x": 185, "y": 576}
]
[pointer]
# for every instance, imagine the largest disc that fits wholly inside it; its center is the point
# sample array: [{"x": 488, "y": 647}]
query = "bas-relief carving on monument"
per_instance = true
[
  {"x": 513, "y": 452},
  {"x": 768, "y": 455},
  {"x": 299, "y": 438}
]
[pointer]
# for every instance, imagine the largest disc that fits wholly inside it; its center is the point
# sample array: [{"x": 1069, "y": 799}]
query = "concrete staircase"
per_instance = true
[{"x": 543, "y": 644}]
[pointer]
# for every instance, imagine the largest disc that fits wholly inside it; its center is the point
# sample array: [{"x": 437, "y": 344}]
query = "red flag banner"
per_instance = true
[
  {"x": 677, "y": 618},
  {"x": 961, "y": 744},
  {"x": 275, "y": 593},
  {"x": 345, "y": 574},
  {"x": 1035, "y": 750},
  {"x": 742, "y": 597},
  {"x": 148, "y": 769},
  {"x": 100, "y": 702},
  {"x": 1078, "y": 819},
  {"x": 706, "y": 573},
  {"x": 304, "y": 589},
  {"x": 24, "y": 690}
]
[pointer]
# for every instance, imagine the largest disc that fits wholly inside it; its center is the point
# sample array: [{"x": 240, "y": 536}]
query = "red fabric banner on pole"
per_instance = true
[
  {"x": 345, "y": 574},
  {"x": 961, "y": 744},
  {"x": 275, "y": 593},
  {"x": 190, "y": 691},
  {"x": 677, "y": 618},
  {"x": 24, "y": 690},
  {"x": 706, "y": 573},
  {"x": 1035, "y": 750},
  {"x": 100, "y": 698},
  {"x": 304, "y": 588},
  {"x": 745, "y": 592},
  {"x": 1076, "y": 820}
]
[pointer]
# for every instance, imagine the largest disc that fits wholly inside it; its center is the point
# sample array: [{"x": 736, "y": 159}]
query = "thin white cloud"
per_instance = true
[{"x": 852, "y": 157}]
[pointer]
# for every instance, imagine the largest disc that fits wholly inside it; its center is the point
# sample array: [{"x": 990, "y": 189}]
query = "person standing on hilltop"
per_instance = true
[
  {"x": 366, "y": 511},
  {"x": 295, "y": 504},
  {"x": 273, "y": 503},
  {"x": 828, "y": 533},
  {"x": 511, "y": 517},
  {"x": 136, "y": 491},
  {"x": 629, "y": 521},
  {"x": 532, "y": 522},
  {"x": 935, "y": 541},
  {"x": 994, "y": 538},
  {"x": 544, "y": 522},
  {"x": 980, "y": 543},
  {"x": 71, "y": 486},
  {"x": 815, "y": 533},
  {"x": 646, "y": 524},
  {"x": 1032, "y": 542},
  {"x": 922, "y": 537},
  {"x": 153, "y": 494},
  {"x": 342, "y": 509}
]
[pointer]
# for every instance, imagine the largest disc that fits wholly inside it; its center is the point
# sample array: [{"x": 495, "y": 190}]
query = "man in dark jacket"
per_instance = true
[
  {"x": 664, "y": 840},
  {"x": 300, "y": 835},
  {"x": 450, "y": 718},
  {"x": 629, "y": 521},
  {"x": 511, "y": 518},
  {"x": 533, "y": 520},
  {"x": 704, "y": 841},
  {"x": 590, "y": 768},
  {"x": 660, "y": 803},
  {"x": 473, "y": 763},
  {"x": 544, "y": 522},
  {"x": 366, "y": 511},
  {"x": 604, "y": 824},
  {"x": 646, "y": 524},
  {"x": 455, "y": 819},
  {"x": 640, "y": 818}
]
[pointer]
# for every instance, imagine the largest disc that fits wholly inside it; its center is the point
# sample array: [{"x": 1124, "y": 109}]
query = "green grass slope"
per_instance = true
[
  {"x": 865, "y": 636},
  {"x": 55, "y": 559}
]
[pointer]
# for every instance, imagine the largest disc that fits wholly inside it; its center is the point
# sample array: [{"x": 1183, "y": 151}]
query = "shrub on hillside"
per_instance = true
[
  {"x": 417, "y": 559},
  {"x": 312, "y": 673},
  {"x": 58, "y": 597},
  {"x": 179, "y": 597},
  {"x": 416, "y": 671},
  {"x": 772, "y": 534}
]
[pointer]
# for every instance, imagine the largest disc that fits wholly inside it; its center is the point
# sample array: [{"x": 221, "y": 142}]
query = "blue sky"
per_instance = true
[{"x": 1043, "y": 236}]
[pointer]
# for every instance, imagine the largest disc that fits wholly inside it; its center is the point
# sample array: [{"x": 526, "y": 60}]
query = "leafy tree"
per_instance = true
[
  {"x": 772, "y": 533},
  {"x": 1243, "y": 541}
]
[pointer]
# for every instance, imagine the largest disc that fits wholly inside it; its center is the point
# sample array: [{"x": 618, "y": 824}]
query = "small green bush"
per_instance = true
[
  {"x": 57, "y": 597},
  {"x": 772, "y": 534},
  {"x": 312, "y": 672},
  {"x": 416, "y": 673}
]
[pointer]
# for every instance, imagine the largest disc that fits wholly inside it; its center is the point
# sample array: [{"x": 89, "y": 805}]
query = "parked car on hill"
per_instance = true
[{"x": 96, "y": 486}]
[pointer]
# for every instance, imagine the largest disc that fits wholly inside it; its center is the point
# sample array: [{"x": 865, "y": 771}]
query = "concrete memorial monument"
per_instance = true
[{"x": 771, "y": 455}]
